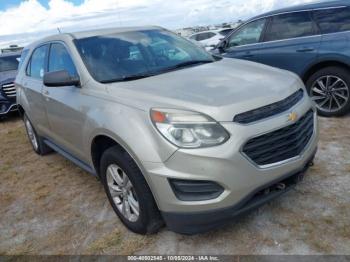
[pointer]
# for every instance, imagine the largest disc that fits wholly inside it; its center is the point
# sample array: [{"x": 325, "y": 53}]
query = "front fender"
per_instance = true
[{"x": 132, "y": 129}]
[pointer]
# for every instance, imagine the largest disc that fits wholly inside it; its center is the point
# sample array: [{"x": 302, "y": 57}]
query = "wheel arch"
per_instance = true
[
  {"x": 101, "y": 142},
  {"x": 323, "y": 64},
  {"x": 21, "y": 110}
]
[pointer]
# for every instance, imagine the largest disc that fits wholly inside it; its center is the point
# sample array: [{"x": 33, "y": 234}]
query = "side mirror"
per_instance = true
[
  {"x": 60, "y": 78},
  {"x": 221, "y": 46}
]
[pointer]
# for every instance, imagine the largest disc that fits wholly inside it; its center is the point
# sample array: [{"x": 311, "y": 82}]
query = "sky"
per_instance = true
[{"x": 24, "y": 21}]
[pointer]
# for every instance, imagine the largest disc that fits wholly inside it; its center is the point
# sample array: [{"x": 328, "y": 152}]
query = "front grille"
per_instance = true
[
  {"x": 282, "y": 144},
  {"x": 9, "y": 89},
  {"x": 269, "y": 110}
]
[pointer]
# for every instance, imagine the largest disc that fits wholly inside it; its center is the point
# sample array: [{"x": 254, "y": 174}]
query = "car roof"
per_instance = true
[
  {"x": 318, "y": 5},
  {"x": 91, "y": 33},
  {"x": 96, "y": 32},
  {"x": 7, "y": 54}
]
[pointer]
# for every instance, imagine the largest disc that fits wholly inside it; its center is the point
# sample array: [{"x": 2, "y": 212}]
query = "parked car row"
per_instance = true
[
  {"x": 209, "y": 39},
  {"x": 312, "y": 41},
  {"x": 180, "y": 136}
]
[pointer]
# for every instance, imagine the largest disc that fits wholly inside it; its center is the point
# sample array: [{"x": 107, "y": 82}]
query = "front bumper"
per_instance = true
[
  {"x": 227, "y": 166},
  {"x": 199, "y": 222},
  {"x": 7, "y": 106}
]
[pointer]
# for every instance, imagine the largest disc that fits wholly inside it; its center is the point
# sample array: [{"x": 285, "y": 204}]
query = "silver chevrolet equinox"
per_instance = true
[{"x": 176, "y": 135}]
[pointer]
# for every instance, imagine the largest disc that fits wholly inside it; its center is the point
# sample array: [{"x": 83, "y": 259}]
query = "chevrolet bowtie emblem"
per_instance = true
[{"x": 292, "y": 117}]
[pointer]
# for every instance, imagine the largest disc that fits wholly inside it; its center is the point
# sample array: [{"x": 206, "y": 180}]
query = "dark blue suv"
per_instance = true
[
  {"x": 311, "y": 40},
  {"x": 8, "y": 71}
]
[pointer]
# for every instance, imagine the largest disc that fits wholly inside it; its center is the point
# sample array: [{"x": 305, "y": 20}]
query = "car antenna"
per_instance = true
[{"x": 58, "y": 29}]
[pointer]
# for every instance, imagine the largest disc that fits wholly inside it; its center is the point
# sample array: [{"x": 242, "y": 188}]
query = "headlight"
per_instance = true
[{"x": 188, "y": 129}]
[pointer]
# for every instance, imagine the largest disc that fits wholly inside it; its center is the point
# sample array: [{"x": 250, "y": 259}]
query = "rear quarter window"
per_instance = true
[
  {"x": 287, "y": 26},
  {"x": 333, "y": 20}
]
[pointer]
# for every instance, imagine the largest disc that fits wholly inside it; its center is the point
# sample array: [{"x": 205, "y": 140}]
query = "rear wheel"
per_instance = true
[
  {"x": 329, "y": 88},
  {"x": 129, "y": 193},
  {"x": 35, "y": 140}
]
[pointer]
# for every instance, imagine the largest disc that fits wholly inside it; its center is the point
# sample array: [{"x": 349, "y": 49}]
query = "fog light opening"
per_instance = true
[
  {"x": 3, "y": 108},
  {"x": 195, "y": 190}
]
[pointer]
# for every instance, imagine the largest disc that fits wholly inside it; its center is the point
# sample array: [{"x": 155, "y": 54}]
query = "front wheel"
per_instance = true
[
  {"x": 329, "y": 88},
  {"x": 128, "y": 192}
]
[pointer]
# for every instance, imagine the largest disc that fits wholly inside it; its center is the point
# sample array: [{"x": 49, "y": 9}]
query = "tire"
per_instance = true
[
  {"x": 35, "y": 140},
  {"x": 116, "y": 163},
  {"x": 332, "y": 97}
]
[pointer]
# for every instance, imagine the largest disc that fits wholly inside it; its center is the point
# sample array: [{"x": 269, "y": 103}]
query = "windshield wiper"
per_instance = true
[
  {"x": 126, "y": 78},
  {"x": 188, "y": 63},
  {"x": 140, "y": 76}
]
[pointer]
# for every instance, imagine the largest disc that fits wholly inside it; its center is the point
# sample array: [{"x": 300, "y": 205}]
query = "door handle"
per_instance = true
[
  {"x": 46, "y": 94},
  {"x": 248, "y": 55},
  {"x": 305, "y": 49}
]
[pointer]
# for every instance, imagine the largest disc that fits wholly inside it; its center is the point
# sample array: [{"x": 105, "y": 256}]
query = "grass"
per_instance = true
[
  {"x": 49, "y": 206},
  {"x": 104, "y": 244},
  {"x": 119, "y": 242}
]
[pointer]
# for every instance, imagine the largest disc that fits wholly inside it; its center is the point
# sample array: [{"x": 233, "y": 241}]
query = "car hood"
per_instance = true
[
  {"x": 7, "y": 76},
  {"x": 221, "y": 89}
]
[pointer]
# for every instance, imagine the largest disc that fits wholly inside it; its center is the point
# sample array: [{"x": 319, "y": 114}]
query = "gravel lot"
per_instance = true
[{"x": 50, "y": 206}]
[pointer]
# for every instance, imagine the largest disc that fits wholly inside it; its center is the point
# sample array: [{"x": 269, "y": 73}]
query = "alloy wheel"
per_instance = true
[
  {"x": 330, "y": 93},
  {"x": 123, "y": 193},
  {"x": 31, "y": 134}
]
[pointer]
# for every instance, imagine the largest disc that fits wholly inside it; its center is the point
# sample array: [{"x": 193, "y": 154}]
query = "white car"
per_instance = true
[{"x": 209, "y": 39}]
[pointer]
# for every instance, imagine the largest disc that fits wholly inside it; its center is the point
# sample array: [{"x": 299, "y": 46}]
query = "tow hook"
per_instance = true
[
  {"x": 266, "y": 191},
  {"x": 281, "y": 186}
]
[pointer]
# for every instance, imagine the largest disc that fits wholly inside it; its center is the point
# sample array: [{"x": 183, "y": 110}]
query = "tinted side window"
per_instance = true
[
  {"x": 210, "y": 35},
  {"x": 36, "y": 65},
  {"x": 60, "y": 59},
  {"x": 205, "y": 36},
  {"x": 248, "y": 34},
  {"x": 225, "y": 32},
  {"x": 193, "y": 37},
  {"x": 290, "y": 26},
  {"x": 333, "y": 20},
  {"x": 201, "y": 37}
]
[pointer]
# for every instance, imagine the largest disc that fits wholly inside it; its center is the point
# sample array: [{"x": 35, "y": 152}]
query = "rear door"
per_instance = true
[
  {"x": 291, "y": 42},
  {"x": 65, "y": 113},
  {"x": 245, "y": 43},
  {"x": 33, "y": 85},
  {"x": 334, "y": 24}
]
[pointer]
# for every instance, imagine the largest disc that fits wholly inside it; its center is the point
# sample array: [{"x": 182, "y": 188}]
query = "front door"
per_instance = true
[
  {"x": 245, "y": 43},
  {"x": 64, "y": 112}
]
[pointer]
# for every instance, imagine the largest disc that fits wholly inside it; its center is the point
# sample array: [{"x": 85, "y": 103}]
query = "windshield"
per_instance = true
[
  {"x": 9, "y": 63},
  {"x": 136, "y": 54}
]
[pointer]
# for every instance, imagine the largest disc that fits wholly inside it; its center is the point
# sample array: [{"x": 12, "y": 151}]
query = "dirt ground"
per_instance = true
[{"x": 50, "y": 206}]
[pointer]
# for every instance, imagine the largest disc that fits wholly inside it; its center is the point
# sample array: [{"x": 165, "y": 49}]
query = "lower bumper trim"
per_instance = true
[
  {"x": 200, "y": 222},
  {"x": 8, "y": 109}
]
